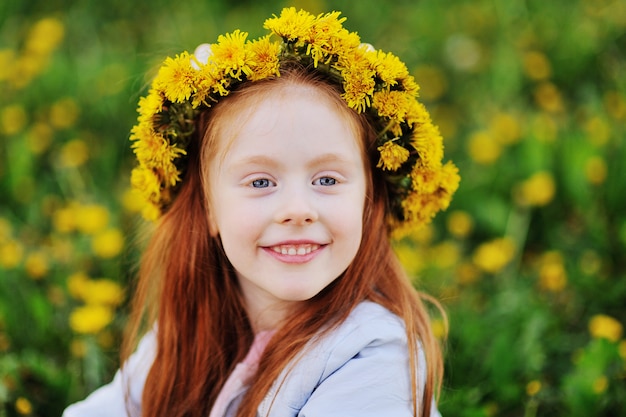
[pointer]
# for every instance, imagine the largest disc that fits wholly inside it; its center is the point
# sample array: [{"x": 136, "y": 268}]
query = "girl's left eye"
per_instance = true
[
  {"x": 326, "y": 181},
  {"x": 261, "y": 183}
]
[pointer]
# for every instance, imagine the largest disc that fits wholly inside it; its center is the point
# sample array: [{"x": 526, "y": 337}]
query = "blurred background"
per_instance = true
[{"x": 528, "y": 260}]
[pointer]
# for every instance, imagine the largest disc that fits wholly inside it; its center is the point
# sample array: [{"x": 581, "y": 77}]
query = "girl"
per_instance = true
[{"x": 276, "y": 171}]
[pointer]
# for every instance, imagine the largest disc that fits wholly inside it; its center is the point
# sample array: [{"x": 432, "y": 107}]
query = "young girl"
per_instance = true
[{"x": 276, "y": 171}]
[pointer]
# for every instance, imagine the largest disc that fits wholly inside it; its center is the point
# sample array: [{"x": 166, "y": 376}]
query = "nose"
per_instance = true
[{"x": 296, "y": 207}]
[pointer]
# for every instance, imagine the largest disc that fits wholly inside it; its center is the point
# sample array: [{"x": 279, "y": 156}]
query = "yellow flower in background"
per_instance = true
[
  {"x": 78, "y": 348},
  {"x": 483, "y": 148},
  {"x": 108, "y": 243},
  {"x": 23, "y": 406},
  {"x": 552, "y": 273},
  {"x": 37, "y": 265},
  {"x": 467, "y": 273},
  {"x": 64, "y": 113},
  {"x": 440, "y": 328},
  {"x": 411, "y": 257},
  {"x": 11, "y": 254},
  {"x": 74, "y": 153},
  {"x": 505, "y": 128},
  {"x": 548, "y": 97},
  {"x": 598, "y": 131},
  {"x": 77, "y": 284},
  {"x": 90, "y": 319},
  {"x": 13, "y": 119},
  {"x": 392, "y": 156},
  {"x": 132, "y": 201},
  {"x": 102, "y": 291},
  {"x": 615, "y": 104},
  {"x": 444, "y": 255},
  {"x": 606, "y": 327},
  {"x": 64, "y": 219},
  {"x": 7, "y": 64},
  {"x": 536, "y": 66},
  {"x": 600, "y": 384},
  {"x": 39, "y": 137},
  {"x": 596, "y": 170},
  {"x": 622, "y": 349},
  {"x": 45, "y": 36},
  {"x": 459, "y": 223},
  {"x": 91, "y": 218},
  {"x": 493, "y": 256},
  {"x": 538, "y": 190},
  {"x": 533, "y": 388}
]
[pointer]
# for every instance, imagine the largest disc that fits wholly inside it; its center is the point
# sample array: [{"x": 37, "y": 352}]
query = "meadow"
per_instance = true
[{"x": 528, "y": 260}]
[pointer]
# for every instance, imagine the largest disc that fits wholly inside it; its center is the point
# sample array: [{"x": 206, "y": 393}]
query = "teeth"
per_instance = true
[{"x": 293, "y": 250}]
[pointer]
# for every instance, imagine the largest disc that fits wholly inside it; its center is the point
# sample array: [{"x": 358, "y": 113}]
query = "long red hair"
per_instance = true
[{"x": 188, "y": 286}]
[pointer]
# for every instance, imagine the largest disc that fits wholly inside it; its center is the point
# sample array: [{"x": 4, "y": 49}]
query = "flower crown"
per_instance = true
[{"x": 410, "y": 146}]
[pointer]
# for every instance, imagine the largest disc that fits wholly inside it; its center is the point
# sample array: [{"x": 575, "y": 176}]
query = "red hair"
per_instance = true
[{"x": 188, "y": 286}]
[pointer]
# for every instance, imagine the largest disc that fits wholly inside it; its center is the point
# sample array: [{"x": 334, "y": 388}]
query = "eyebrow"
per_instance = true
[{"x": 265, "y": 160}]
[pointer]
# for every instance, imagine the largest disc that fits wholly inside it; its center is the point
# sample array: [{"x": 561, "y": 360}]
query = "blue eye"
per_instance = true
[
  {"x": 326, "y": 181},
  {"x": 261, "y": 183}
]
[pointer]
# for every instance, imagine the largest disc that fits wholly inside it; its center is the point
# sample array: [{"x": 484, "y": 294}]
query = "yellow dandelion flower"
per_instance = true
[
  {"x": 537, "y": 66},
  {"x": 494, "y": 255},
  {"x": 39, "y": 137},
  {"x": 11, "y": 254},
  {"x": 37, "y": 265},
  {"x": 460, "y": 223},
  {"x": 78, "y": 348},
  {"x": 23, "y": 406},
  {"x": 108, "y": 243},
  {"x": 358, "y": 79},
  {"x": 390, "y": 69},
  {"x": 598, "y": 131},
  {"x": 392, "y": 104},
  {"x": 411, "y": 258},
  {"x": 77, "y": 285},
  {"x": 600, "y": 384},
  {"x": 419, "y": 209},
  {"x": 428, "y": 143},
  {"x": 602, "y": 326},
  {"x": 151, "y": 212},
  {"x": 74, "y": 153},
  {"x": 483, "y": 148},
  {"x": 538, "y": 190},
  {"x": 91, "y": 218},
  {"x": 146, "y": 182},
  {"x": 327, "y": 37},
  {"x": 149, "y": 106},
  {"x": 264, "y": 58},
  {"x": 64, "y": 113},
  {"x": 548, "y": 97},
  {"x": 291, "y": 25},
  {"x": 552, "y": 273},
  {"x": 440, "y": 328},
  {"x": 90, "y": 319},
  {"x": 231, "y": 55},
  {"x": 45, "y": 36},
  {"x": 424, "y": 180},
  {"x": 533, "y": 388},
  {"x": 614, "y": 103},
  {"x": 392, "y": 156},
  {"x": 103, "y": 291},
  {"x": 13, "y": 119},
  {"x": 505, "y": 128},
  {"x": 596, "y": 170},
  {"x": 176, "y": 78},
  {"x": 132, "y": 201}
]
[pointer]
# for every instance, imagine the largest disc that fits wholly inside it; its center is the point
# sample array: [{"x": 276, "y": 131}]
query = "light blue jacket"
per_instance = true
[{"x": 360, "y": 369}]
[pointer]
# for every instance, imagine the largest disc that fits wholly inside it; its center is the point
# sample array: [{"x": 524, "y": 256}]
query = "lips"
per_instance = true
[{"x": 295, "y": 250}]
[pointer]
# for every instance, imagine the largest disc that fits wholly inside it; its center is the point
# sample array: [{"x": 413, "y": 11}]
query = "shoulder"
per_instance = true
[{"x": 360, "y": 366}]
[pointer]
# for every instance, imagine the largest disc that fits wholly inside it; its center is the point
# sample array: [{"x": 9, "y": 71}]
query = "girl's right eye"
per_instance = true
[{"x": 261, "y": 183}]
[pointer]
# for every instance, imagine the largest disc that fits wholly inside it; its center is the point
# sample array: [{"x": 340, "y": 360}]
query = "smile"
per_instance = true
[{"x": 295, "y": 250}]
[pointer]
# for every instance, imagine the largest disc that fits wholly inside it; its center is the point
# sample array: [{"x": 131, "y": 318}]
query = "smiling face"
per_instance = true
[{"x": 286, "y": 194}]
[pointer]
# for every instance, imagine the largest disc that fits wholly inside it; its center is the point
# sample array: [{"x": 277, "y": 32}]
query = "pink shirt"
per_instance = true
[{"x": 239, "y": 379}]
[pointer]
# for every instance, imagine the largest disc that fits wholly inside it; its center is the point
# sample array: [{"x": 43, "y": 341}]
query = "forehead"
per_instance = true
[{"x": 286, "y": 111}]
